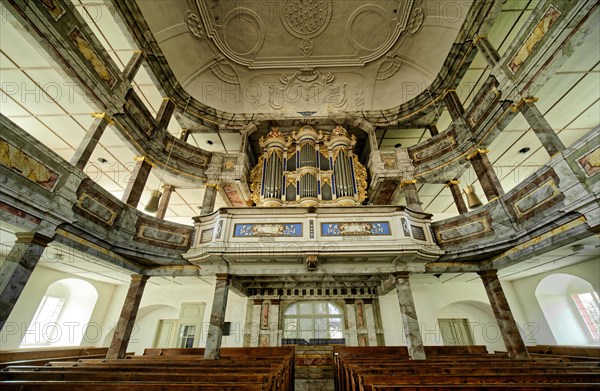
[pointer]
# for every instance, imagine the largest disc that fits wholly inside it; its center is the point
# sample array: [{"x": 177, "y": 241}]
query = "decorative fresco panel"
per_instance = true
[
  {"x": 371, "y": 228},
  {"x": 26, "y": 166},
  {"x": 267, "y": 230},
  {"x": 591, "y": 162},
  {"x": 90, "y": 54},
  {"x": 534, "y": 38},
  {"x": 53, "y": 8}
]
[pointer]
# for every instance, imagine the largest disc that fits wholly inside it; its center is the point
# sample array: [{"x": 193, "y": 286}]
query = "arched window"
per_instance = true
[
  {"x": 63, "y": 315},
  {"x": 571, "y": 308},
  {"x": 313, "y": 322},
  {"x": 42, "y": 328}
]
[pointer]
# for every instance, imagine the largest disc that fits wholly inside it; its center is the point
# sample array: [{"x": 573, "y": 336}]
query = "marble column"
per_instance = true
[
  {"x": 163, "y": 205},
  {"x": 163, "y": 117},
  {"x": 508, "y": 327},
  {"x": 17, "y": 268},
  {"x": 454, "y": 105},
  {"x": 487, "y": 176},
  {"x": 370, "y": 322},
  {"x": 409, "y": 317},
  {"x": 487, "y": 50},
  {"x": 210, "y": 196},
  {"x": 433, "y": 130},
  {"x": 351, "y": 332},
  {"x": 133, "y": 66},
  {"x": 459, "y": 201},
  {"x": 185, "y": 134},
  {"x": 542, "y": 128},
  {"x": 137, "y": 181},
  {"x": 412, "y": 196},
  {"x": 90, "y": 141},
  {"x": 120, "y": 340},
  {"x": 217, "y": 318}
]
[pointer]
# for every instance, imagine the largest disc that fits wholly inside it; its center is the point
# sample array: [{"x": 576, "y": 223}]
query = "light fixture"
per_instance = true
[
  {"x": 472, "y": 199},
  {"x": 152, "y": 204},
  {"x": 524, "y": 150}
]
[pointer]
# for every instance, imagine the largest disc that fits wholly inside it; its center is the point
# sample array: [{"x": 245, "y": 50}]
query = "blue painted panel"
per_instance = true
[
  {"x": 359, "y": 228},
  {"x": 267, "y": 230}
]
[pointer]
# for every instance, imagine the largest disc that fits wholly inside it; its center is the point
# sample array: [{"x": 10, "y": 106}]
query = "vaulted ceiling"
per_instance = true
[{"x": 293, "y": 56}]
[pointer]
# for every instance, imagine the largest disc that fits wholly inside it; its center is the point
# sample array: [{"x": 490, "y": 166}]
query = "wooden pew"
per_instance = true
[
  {"x": 365, "y": 369},
  {"x": 268, "y": 369},
  {"x": 43, "y": 356}
]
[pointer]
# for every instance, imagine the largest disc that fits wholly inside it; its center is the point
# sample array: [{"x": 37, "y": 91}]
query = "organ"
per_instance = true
[{"x": 308, "y": 168}]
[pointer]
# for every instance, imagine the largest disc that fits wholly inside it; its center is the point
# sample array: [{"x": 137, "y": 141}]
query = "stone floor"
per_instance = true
[{"x": 314, "y": 368}]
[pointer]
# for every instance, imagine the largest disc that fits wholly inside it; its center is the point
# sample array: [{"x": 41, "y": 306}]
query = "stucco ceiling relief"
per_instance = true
[
  {"x": 194, "y": 25},
  {"x": 307, "y": 88}
]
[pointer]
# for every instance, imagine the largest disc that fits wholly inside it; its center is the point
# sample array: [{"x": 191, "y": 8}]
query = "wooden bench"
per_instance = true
[
  {"x": 43, "y": 356},
  {"x": 268, "y": 369},
  {"x": 380, "y": 369}
]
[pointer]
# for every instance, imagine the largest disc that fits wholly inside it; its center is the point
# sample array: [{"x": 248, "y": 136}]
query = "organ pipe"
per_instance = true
[{"x": 311, "y": 149}]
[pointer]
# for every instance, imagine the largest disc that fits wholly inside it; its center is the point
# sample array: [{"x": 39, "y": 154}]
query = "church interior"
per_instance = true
[{"x": 329, "y": 181}]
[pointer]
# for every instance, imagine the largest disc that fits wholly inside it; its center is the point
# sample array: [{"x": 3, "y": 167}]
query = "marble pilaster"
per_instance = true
[
  {"x": 506, "y": 322},
  {"x": 274, "y": 339},
  {"x": 370, "y": 320},
  {"x": 163, "y": 205},
  {"x": 542, "y": 129},
  {"x": 255, "y": 331},
  {"x": 118, "y": 346},
  {"x": 137, "y": 181},
  {"x": 454, "y": 105},
  {"x": 351, "y": 333},
  {"x": 17, "y": 268},
  {"x": 459, "y": 201},
  {"x": 90, "y": 141},
  {"x": 210, "y": 196},
  {"x": 410, "y": 321},
  {"x": 487, "y": 176},
  {"x": 133, "y": 66},
  {"x": 412, "y": 196},
  {"x": 217, "y": 318}
]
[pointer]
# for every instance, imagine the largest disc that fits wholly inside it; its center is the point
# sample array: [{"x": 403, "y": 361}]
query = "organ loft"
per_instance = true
[{"x": 300, "y": 194}]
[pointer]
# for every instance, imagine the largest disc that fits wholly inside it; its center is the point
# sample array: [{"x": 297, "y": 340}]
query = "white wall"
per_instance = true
[
  {"x": 443, "y": 300},
  {"x": 106, "y": 311},
  {"x": 557, "y": 321},
  {"x": 167, "y": 302}
]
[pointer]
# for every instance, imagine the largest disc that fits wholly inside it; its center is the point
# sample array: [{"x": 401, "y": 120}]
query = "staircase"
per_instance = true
[{"x": 314, "y": 368}]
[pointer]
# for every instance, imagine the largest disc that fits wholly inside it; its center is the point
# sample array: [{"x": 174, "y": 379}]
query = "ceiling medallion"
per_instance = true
[
  {"x": 194, "y": 25},
  {"x": 306, "y": 18}
]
